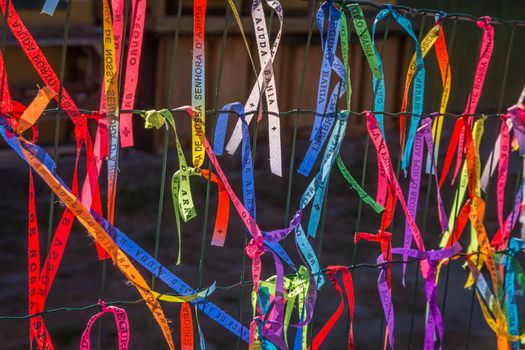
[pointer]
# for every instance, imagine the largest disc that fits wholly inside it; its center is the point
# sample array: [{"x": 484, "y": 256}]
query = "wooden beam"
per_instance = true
[{"x": 215, "y": 25}]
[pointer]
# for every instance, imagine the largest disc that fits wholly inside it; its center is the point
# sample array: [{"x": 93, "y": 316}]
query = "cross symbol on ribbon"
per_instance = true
[{"x": 126, "y": 131}]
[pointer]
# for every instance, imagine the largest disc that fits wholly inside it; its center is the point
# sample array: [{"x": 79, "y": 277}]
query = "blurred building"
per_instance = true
[{"x": 229, "y": 75}]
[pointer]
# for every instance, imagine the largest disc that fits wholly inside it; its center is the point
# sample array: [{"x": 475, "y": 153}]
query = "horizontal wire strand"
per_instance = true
[
  {"x": 238, "y": 284},
  {"x": 467, "y": 17},
  {"x": 210, "y": 112}
]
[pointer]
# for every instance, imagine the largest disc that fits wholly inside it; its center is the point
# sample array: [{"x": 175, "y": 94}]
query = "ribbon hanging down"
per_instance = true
[
  {"x": 187, "y": 341},
  {"x": 485, "y": 53},
  {"x": 112, "y": 109},
  {"x": 40, "y": 280},
  {"x": 315, "y": 192},
  {"x": 198, "y": 83},
  {"x": 434, "y": 320},
  {"x": 181, "y": 189},
  {"x": 384, "y": 283},
  {"x": 331, "y": 271},
  {"x": 458, "y": 217},
  {"x": 434, "y": 38},
  {"x": 366, "y": 43},
  {"x": 327, "y": 115},
  {"x": 138, "y": 17},
  {"x": 328, "y": 47},
  {"x": 419, "y": 81},
  {"x": 90, "y": 191},
  {"x": 385, "y": 166},
  {"x": 37, "y": 328},
  {"x": 515, "y": 245},
  {"x": 264, "y": 86},
  {"x": 223, "y": 206},
  {"x": 248, "y": 183},
  {"x": 423, "y": 135},
  {"x": 317, "y": 186}
]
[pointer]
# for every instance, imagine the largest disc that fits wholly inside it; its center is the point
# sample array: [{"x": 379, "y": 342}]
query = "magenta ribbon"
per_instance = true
[{"x": 121, "y": 320}]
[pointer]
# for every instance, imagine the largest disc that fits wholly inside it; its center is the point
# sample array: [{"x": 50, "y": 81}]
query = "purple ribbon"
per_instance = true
[
  {"x": 435, "y": 320},
  {"x": 423, "y": 135}
]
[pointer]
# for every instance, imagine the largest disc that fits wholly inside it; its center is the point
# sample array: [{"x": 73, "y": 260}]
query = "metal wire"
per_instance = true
[
  {"x": 295, "y": 113},
  {"x": 292, "y": 112},
  {"x": 238, "y": 284},
  {"x": 411, "y": 11}
]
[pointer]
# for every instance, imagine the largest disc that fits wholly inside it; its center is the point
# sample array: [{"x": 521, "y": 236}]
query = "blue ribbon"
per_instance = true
[
  {"x": 127, "y": 245},
  {"x": 49, "y": 7},
  {"x": 248, "y": 184},
  {"x": 328, "y": 47},
  {"x": 316, "y": 189},
  {"x": 329, "y": 158},
  {"x": 419, "y": 82},
  {"x": 324, "y": 119},
  {"x": 515, "y": 245}
]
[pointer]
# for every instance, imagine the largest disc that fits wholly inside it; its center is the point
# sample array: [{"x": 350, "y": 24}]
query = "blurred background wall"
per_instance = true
[{"x": 83, "y": 70}]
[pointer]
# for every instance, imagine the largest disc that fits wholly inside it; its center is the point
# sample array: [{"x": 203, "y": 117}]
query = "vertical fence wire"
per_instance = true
[
  {"x": 165, "y": 144},
  {"x": 296, "y": 115},
  {"x": 65, "y": 39}
]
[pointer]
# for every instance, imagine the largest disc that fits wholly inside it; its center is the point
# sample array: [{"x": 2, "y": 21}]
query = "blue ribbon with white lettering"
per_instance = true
[
  {"x": 127, "y": 245},
  {"x": 329, "y": 158},
  {"x": 324, "y": 119},
  {"x": 419, "y": 82},
  {"x": 248, "y": 188},
  {"x": 328, "y": 47},
  {"x": 318, "y": 184},
  {"x": 515, "y": 245},
  {"x": 248, "y": 184}
]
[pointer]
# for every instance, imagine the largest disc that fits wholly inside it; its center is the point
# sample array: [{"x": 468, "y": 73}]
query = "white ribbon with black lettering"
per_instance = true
[{"x": 265, "y": 85}]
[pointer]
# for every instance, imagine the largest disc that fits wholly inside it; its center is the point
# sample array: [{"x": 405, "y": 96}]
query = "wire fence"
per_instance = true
[{"x": 327, "y": 246}]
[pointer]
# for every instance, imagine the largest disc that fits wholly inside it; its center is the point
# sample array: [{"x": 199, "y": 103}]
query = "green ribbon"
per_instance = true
[
  {"x": 356, "y": 187},
  {"x": 344, "y": 49},
  {"x": 366, "y": 43},
  {"x": 180, "y": 183},
  {"x": 295, "y": 292},
  {"x": 364, "y": 38}
]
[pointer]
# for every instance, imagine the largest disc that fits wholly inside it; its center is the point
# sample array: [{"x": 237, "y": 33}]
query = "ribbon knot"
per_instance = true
[
  {"x": 254, "y": 249},
  {"x": 102, "y": 305},
  {"x": 484, "y": 22},
  {"x": 440, "y": 16}
]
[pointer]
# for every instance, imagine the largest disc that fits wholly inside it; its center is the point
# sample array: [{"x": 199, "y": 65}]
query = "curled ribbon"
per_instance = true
[{"x": 122, "y": 323}]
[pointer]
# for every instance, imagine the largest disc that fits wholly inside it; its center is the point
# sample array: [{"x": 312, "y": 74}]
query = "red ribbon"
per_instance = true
[{"x": 331, "y": 271}]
